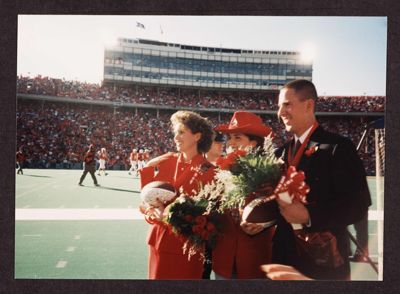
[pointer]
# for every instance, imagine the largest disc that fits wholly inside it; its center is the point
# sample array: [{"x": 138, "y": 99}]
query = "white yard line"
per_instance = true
[
  {"x": 32, "y": 235},
  {"x": 61, "y": 264},
  {"x": 103, "y": 214},
  {"x": 78, "y": 214}
]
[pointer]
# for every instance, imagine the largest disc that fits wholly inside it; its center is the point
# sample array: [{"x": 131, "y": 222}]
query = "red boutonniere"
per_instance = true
[
  {"x": 310, "y": 151},
  {"x": 230, "y": 159}
]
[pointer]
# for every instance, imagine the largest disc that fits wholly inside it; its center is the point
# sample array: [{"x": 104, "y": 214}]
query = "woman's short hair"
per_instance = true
[{"x": 196, "y": 124}]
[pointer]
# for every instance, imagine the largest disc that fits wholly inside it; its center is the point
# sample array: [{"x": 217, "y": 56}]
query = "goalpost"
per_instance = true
[
  {"x": 380, "y": 177},
  {"x": 377, "y": 127}
]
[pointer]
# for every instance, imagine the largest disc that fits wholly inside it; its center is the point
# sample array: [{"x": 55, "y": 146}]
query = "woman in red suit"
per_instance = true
[
  {"x": 187, "y": 170},
  {"x": 242, "y": 247}
]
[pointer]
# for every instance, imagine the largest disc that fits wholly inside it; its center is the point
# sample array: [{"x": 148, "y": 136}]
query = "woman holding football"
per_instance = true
[{"x": 186, "y": 170}]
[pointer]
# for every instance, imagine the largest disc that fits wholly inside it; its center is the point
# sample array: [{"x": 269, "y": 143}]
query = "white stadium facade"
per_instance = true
[{"x": 148, "y": 62}]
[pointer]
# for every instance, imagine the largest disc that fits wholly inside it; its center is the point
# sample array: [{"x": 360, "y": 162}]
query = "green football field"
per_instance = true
[{"x": 65, "y": 231}]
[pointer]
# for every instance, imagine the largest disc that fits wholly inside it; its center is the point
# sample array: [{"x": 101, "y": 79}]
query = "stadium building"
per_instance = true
[
  {"x": 146, "y": 81},
  {"x": 148, "y": 62}
]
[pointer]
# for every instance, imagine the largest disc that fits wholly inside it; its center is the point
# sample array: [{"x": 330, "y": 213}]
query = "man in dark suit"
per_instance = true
[{"x": 339, "y": 194}]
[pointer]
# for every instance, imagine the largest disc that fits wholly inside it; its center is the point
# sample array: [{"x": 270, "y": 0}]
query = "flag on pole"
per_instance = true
[{"x": 140, "y": 25}]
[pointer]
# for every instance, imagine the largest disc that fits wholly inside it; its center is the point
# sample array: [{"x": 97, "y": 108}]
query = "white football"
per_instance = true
[{"x": 157, "y": 193}]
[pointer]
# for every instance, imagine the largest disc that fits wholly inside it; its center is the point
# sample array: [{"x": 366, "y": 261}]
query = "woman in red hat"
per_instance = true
[
  {"x": 242, "y": 247},
  {"x": 186, "y": 170}
]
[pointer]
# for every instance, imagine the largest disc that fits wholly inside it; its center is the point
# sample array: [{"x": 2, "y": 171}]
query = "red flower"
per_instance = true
[
  {"x": 210, "y": 227},
  {"x": 188, "y": 218},
  {"x": 201, "y": 220},
  {"x": 230, "y": 159},
  {"x": 197, "y": 229},
  {"x": 310, "y": 151},
  {"x": 205, "y": 235}
]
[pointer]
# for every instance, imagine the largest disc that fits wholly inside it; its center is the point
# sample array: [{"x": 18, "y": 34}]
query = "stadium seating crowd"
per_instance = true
[
  {"x": 56, "y": 135},
  {"x": 185, "y": 97}
]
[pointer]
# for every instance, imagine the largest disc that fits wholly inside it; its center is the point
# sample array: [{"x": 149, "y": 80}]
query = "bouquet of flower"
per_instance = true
[
  {"x": 251, "y": 180},
  {"x": 191, "y": 220},
  {"x": 252, "y": 177},
  {"x": 247, "y": 175}
]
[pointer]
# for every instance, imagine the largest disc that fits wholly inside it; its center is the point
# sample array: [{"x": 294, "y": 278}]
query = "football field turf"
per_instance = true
[{"x": 65, "y": 231}]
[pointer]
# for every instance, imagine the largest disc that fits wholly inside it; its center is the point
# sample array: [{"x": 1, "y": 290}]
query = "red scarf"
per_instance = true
[{"x": 295, "y": 161}]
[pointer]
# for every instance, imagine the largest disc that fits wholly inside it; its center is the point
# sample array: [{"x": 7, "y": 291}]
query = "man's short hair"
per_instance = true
[{"x": 303, "y": 87}]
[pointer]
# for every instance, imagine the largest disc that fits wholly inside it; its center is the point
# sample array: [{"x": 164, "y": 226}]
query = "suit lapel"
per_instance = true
[
  {"x": 306, "y": 160},
  {"x": 313, "y": 142}
]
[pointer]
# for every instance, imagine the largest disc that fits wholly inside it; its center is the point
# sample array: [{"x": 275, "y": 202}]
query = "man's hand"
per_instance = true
[
  {"x": 282, "y": 272},
  {"x": 295, "y": 212},
  {"x": 250, "y": 228}
]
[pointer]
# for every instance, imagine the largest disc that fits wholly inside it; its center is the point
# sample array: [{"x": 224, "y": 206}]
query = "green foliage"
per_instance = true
[{"x": 257, "y": 169}]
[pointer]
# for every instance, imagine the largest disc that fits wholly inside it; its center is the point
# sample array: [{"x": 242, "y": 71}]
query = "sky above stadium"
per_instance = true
[{"x": 348, "y": 53}]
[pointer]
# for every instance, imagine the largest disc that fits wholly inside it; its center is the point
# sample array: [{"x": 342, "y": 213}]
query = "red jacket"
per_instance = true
[
  {"x": 89, "y": 157},
  {"x": 167, "y": 260},
  {"x": 20, "y": 156},
  {"x": 247, "y": 252}
]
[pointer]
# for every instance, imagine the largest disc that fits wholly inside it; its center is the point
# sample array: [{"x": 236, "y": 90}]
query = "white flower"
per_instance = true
[{"x": 225, "y": 177}]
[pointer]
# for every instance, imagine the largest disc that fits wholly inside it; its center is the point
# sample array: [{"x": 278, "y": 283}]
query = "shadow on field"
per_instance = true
[
  {"x": 126, "y": 177},
  {"x": 36, "y": 176},
  {"x": 113, "y": 189}
]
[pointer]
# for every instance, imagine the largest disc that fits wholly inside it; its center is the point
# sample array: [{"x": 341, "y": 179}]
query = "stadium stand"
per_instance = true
[
  {"x": 178, "y": 97},
  {"x": 55, "y": 134}
]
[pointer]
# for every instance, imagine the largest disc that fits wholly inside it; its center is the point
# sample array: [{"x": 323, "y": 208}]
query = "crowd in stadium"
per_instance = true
[
  {"x": 185, "y": 97},
  {"x": 56, "y": 135}
]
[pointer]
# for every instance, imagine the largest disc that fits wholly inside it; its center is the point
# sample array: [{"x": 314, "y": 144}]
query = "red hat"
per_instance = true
[{"x": 246, "y": 123}]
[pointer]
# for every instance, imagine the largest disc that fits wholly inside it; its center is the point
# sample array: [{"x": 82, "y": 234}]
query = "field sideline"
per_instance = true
[{"x": 64, "y": 231}]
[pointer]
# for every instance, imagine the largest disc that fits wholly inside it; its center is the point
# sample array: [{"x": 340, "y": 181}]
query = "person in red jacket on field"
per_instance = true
[
  {"x": 89, "y": 165},
  {"x": 242, "y": 247},
  {"x": 20, "y": 158}
]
